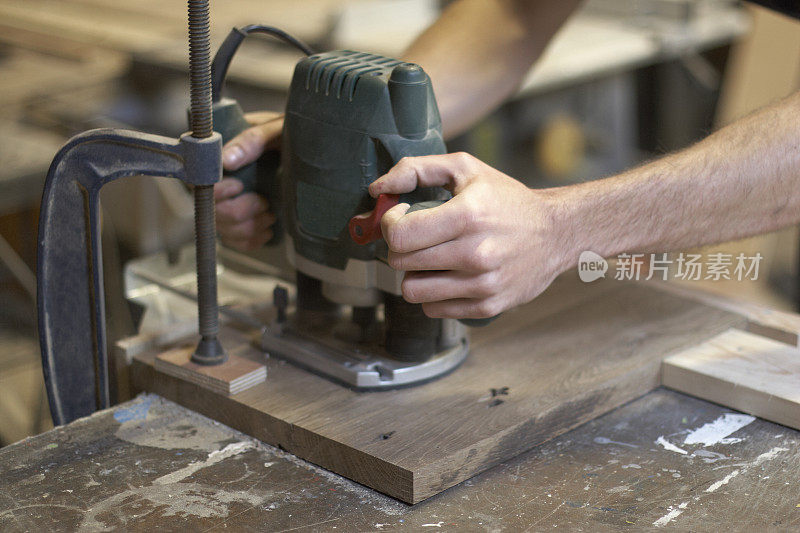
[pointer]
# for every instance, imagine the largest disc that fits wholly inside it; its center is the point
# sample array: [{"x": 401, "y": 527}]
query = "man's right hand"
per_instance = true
[{"x": 244, "y": 220}]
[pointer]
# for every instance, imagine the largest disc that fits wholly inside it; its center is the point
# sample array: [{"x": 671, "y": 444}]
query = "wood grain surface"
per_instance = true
[
  {"x": 741, "y": 370},
  {"x": 576, "y": 352}
]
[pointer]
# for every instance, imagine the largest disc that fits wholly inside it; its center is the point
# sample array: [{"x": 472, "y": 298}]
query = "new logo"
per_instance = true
[{"x": 591, "y": 266}]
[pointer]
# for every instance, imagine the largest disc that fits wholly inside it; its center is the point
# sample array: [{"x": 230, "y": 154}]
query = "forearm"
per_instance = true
[
  {"x": 741, "y": 181},
  {"x": 479, "y": 51}
]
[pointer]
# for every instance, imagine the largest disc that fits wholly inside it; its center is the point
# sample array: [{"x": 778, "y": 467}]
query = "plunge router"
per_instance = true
[{"x": 350, "y": 117}]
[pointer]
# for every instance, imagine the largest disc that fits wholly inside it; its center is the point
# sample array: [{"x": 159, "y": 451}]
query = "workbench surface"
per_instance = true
[{"x": 151, "y": 464}]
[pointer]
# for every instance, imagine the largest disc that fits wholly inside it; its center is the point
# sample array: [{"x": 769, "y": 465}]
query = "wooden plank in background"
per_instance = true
[
  {"x": 741, "y": 370},
  {"x": 573, "y": 354},
  {"x": 775, "y": 324},
  {"x": 148, "y": 25}
]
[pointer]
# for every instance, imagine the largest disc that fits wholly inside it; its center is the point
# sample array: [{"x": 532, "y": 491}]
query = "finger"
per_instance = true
[
  {"x": 241, "y": 208},
  {"x": 425, "y": 287},
  {"x": 464, "y": 308},
  {"x": 440, "y": 257},
  {"x": 458, "y": 254},
  {"x": 408, "y": 232},
  {"x": 227, "y": 188},
  {"x": 260, "y": 117},
  {"x": 251, "y": 244},
  {"x": 451, "y": 171},
  {"x": 249, "y": 228},
  {"x": 250, "y": 144}
]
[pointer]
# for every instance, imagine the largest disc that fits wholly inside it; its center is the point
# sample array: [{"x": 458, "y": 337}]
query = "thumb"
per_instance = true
[
  {"x": 251, "y": 143},
  {"x": 390, "y": 219},
  {"x": 451, "y": 171}
]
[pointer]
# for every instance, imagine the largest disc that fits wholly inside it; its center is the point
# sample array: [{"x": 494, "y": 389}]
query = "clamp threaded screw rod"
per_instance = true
[{"x": 209, "y": 351}]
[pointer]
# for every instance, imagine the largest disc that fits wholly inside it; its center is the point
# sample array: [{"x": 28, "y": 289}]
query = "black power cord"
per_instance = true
[{"x": 226, "y": 51}]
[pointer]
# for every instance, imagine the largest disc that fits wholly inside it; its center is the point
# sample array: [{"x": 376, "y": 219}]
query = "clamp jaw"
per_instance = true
[
  {"x": 72, "y": 330},
  {"x": 70, "y": 269}
]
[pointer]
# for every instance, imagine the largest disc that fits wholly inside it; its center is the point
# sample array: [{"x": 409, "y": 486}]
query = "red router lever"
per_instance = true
[{"x": 367, "y": 227}]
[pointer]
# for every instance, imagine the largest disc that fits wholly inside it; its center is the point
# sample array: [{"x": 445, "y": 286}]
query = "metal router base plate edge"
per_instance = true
[{"x": 361, "y": 371}]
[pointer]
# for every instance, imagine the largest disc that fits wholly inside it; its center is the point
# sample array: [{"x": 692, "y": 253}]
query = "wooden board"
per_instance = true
[
  {"x": 741, "y": 370},
  {"x": 775, "y": 324},
  {"x": 231, "y": 377},
  {"x": 576, "y": 352}
]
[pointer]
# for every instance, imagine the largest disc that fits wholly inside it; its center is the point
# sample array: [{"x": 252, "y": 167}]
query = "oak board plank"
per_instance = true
[{"x": 563, "y": 364}]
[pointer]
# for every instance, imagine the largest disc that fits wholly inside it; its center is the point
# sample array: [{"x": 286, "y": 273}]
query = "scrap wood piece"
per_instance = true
[
  {"x": 741, "y": 370},
  {"x": 231, "y": 377}
]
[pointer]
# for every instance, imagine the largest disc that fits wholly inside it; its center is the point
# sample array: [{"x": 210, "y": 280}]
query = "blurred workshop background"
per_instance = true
[{"x": 624, "y": 81}]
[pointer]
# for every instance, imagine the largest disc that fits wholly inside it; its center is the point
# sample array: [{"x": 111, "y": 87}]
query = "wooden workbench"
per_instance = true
[{"x": 150, "y": 464}]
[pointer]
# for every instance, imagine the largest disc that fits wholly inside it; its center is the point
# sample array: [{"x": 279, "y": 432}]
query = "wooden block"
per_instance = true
[
  {"x": 742, "y": 370},
  {"x": 574, "y": 353},
  {"x": 231, "y": 377}
]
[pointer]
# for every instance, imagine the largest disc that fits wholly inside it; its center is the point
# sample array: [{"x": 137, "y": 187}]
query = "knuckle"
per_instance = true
[
  {"x": 487, "y": 285},
  {"x": 487, "y": 308},
  {"x": 484, "y": 258},
  {"x": 480, "y": 259},
  {"x": 250, "y": 227},
  {"x": 253, "y": 137},
  {"x": 395, "y": 261},
  {"x": 464, "y": 160},
  {"x": 473, "y": 215},
  {"x": 238, "y": 216},
  {"x": 408, "y": 165},
  {"x": 241, "y": 231},
  {"x": 432, "y": 311},
  {"x": 395, "y": 238},
  {"x": 410, "y": 293}
]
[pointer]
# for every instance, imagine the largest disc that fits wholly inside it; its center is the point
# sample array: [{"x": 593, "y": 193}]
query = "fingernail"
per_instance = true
[{"x": 232, "y": 155}]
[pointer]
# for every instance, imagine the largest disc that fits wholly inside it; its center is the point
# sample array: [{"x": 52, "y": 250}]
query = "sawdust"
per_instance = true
[
  {"x": 367, "y": 496},
  {"x": 177, "y": 499},
  {"x": 168, "y": 428},
  {"x": 168, "y": 425}
]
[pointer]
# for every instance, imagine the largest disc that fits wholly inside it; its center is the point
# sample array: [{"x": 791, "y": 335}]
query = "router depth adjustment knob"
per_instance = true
[{"x": 367, "y": 227}]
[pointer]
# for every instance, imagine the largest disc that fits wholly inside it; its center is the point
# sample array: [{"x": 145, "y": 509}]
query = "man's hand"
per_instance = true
[
  {"x": 494, "y": 245},
  {"x": 243, "y": 220}
]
